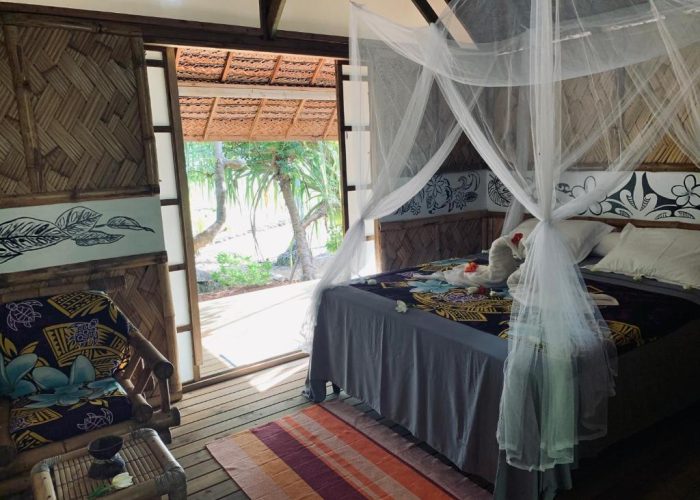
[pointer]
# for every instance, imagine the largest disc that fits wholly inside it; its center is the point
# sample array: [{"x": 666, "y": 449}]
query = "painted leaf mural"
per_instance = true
[
  {"x": 78, "y": 220},
  {"x": 121, "y": 222},
  {"x": 96, "y": 238},
  {"x": 26, "y": 233},
  {"x": 78, "y": 224}
]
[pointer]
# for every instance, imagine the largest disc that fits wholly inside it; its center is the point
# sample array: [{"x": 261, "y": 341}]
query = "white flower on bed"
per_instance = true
[{"x": 401, "y": 306}]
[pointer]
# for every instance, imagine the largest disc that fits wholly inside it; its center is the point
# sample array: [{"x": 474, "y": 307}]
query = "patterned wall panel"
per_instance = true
[{"x": 651, "y": 196}]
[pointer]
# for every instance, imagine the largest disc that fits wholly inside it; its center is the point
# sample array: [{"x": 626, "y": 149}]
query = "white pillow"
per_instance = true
[
  {"x": 580, "y": 235},
  {"x": 607, "y": 243},
  {"x": 666, "y": 255}
]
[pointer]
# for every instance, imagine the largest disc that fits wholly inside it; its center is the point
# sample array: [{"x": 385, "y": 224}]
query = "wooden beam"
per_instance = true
[
  {"x": 164, "y": 31},
  {"x": 270, "y": 15},
  {"x": 425, "y": 10},
  {"x": 276, "y": 69},
  {"x": 236, "y": 91},
  {"x": 330, "y": 122},
  {"x": 296, "y": 117},
  {"x": 258, "y": 113},
  {"x": 205, "y": 135},
  {"x": 317, "y": 71},
  {"x": 227, "y": 66}
]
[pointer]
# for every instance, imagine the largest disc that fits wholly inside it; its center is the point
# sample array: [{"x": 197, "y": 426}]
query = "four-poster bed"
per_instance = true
[
  {"x": 561, "y": 86},
  {"x": 438, "y": 370}
]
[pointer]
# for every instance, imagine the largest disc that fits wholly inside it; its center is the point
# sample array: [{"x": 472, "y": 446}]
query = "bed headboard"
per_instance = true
[
  {"x": 620, "y": 223},
  {"x": 493, "y": 224}
]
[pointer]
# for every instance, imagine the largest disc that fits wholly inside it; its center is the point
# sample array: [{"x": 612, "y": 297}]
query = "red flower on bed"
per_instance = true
[
  {"x": 516, "y": 238},
  {"x": 471, "y": 267}
]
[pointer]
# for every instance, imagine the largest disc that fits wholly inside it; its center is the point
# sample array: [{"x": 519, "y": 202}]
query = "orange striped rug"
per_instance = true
[{"x": 334, "y": 451}]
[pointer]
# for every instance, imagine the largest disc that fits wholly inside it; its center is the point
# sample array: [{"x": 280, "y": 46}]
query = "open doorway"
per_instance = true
[{"x": 263, "y": 175}]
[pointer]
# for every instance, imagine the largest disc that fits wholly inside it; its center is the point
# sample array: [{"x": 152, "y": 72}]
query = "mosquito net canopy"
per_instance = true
[{"x": 540, "y": 88}]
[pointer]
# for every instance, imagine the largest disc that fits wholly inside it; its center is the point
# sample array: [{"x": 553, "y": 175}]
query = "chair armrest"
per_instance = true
[
  {"x": 162, "y": 368},
  {"x": 8, "y": 450}
]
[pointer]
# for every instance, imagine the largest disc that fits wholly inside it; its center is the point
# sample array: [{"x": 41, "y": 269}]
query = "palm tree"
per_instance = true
[{"x": 305, "y": 173}]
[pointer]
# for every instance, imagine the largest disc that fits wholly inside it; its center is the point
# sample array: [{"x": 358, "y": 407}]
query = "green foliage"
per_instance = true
[
  {"x": 237, "y": 270},
  {"x": 335, "y": 238},
  {"x": 312, "y": 167}
]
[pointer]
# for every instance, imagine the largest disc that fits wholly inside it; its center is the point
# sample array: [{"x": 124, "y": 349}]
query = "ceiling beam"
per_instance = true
[
  {"x": 164, "y": 31},
  {"x": 258, "y": 114},
  {"x": 270, "y": 15},
  {"x": 212, "y": 112},
  {"x": 425, "y": 10},
  {"x": 297, "y": 114},
  {"x": 227, "y": 66},
  {"x": 236, "y": 91},
  {"x": 276, "y": 69},
  {"x": 317, "y": 71},
  {"x": 330, "y": 122}
]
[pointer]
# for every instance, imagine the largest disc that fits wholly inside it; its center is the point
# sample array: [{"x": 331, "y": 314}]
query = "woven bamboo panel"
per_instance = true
[
  {"x": 13, "y": 176},
  {"x": 409, "y": 243},
  {"x": 84, "y": 107},
  {"x": 586, "y": 100},
  {"x": 463, "y": 157}
]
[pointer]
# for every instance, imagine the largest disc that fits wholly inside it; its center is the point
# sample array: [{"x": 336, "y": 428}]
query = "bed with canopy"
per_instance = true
[{"x": 540, "y": 88}]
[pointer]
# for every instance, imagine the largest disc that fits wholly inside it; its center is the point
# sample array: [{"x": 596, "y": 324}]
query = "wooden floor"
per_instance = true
[
  {"x": 213, "y": 364},
  {"x": 226, "y": 408},
  {"x": 662, "y": 463}
]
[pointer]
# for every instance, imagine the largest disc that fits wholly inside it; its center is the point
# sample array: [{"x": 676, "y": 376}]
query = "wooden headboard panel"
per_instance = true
[
  {"x": 407, "y": 243},
  {"x": 493, "y": 225}
]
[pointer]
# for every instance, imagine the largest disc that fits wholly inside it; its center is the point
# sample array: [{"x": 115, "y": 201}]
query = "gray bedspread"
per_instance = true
[{"x": 442, "y": 381}]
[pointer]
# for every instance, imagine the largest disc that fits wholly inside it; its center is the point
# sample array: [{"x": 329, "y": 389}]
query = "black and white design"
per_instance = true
[
  {"x": 637, "y": 199},
  {"x": 78, "y": 224},
  {"x": 498, "y": 193},
  {"x": 441, "y": 195}
]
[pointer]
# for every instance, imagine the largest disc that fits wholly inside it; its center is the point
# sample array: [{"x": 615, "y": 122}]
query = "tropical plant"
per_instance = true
[
  {"x": 306, "y": 174},
  {"x": 236, "y": 270}
]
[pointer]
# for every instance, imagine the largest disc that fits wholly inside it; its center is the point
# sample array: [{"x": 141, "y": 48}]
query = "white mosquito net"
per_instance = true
[{"x": 540, "y": 88}]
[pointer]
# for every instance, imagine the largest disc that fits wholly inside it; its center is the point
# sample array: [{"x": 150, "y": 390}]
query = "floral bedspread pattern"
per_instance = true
[
  {"x": 58, "y": 358},
  {"x": 640, "y": 317}
]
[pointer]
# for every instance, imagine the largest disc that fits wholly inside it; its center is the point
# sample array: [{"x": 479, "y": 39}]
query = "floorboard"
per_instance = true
[{"x": 661, "y": 463}]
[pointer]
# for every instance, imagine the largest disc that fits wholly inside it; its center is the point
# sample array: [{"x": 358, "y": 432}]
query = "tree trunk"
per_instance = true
[
  {"x": 207, "y": 236},
  {"x": 303, "y": 250}
]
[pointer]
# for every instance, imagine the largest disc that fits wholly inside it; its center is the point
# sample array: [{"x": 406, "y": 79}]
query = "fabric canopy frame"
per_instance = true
[{"x": 561, "y": 85}]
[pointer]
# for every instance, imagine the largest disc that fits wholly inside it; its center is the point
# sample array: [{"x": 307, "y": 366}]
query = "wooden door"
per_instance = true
[
  {"x": 355, "y": 147},
  {"x": 174, "y": 201}
]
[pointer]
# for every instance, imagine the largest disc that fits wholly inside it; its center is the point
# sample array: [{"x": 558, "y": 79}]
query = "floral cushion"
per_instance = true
[
  {"x": 42, "y": 339},
  {"x": 55, "y": 415}
]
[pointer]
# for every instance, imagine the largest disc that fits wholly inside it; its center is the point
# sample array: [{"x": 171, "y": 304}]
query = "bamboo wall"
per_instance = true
[
  {"x": 75, "y": 125},
  {"x": 412, "y": 242}
]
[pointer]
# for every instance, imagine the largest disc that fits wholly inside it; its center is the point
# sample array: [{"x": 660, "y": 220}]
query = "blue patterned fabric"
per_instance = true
[
  {"x": 58, "y": 356},
  {"x": 37, "y": 421}
]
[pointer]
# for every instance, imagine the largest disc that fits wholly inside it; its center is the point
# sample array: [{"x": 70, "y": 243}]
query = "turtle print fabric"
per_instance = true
[{"x": 58, "y": 356}]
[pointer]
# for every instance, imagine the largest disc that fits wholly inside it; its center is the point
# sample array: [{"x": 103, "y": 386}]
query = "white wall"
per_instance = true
[{"x": 328, "y": 17}]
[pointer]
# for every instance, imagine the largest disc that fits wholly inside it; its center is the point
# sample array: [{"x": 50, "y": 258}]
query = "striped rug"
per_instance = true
[{"x": 334, "y": 451}]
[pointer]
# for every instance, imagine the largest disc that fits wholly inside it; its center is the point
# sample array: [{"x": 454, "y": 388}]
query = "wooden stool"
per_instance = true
[{"x": 153, "y": 468}]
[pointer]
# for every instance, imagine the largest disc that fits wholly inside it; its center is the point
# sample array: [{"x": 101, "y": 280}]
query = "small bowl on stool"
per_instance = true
[{"x": 107, "y": 462}]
